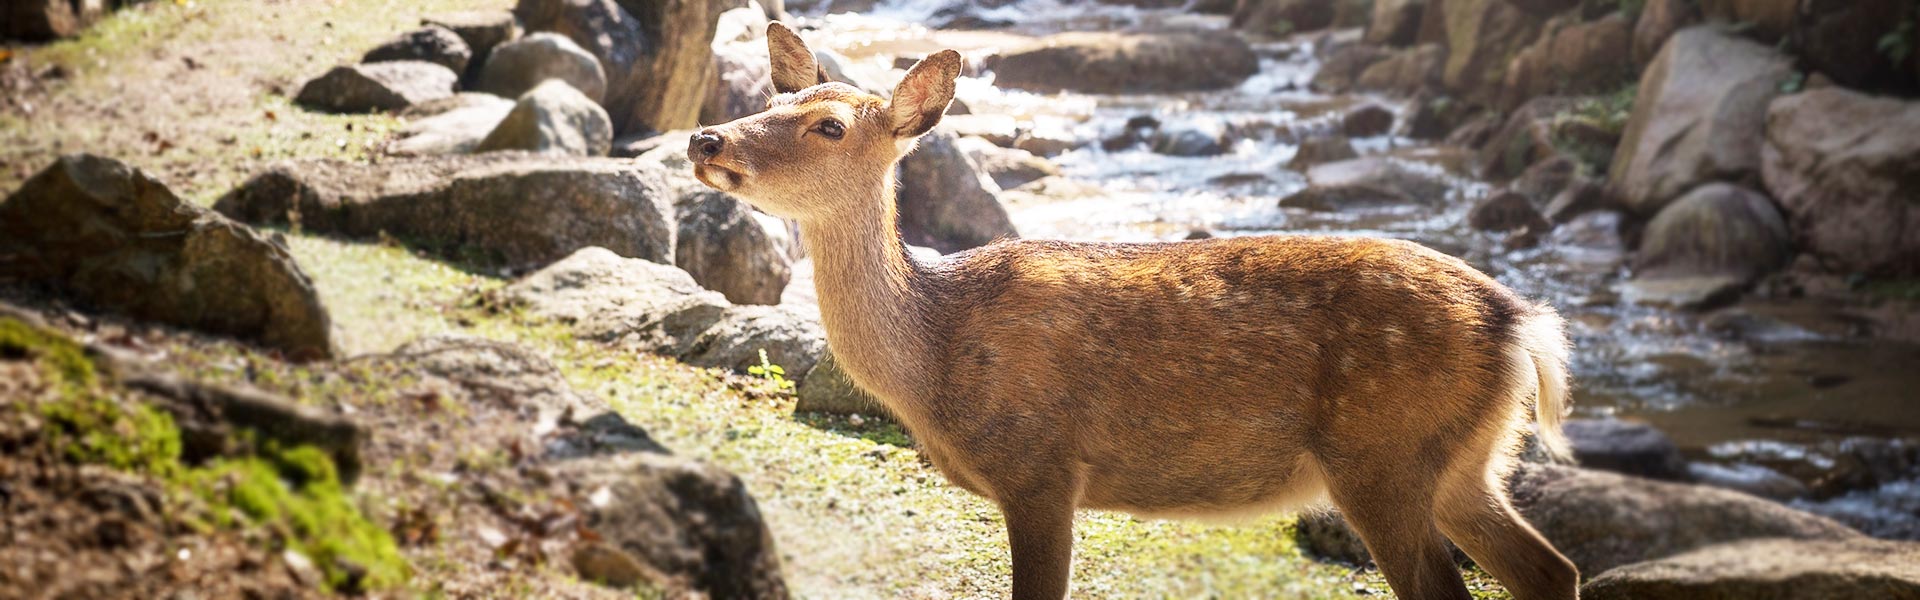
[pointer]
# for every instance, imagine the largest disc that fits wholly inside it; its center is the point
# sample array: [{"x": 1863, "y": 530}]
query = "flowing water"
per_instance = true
[{"x": 1748, "y": 393}]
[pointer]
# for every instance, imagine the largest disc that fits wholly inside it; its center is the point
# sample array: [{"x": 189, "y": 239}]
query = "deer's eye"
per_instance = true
[{"x": 831, "y": 128}]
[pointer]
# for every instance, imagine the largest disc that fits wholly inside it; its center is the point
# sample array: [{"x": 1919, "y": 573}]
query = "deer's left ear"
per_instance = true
[
  {"x": 794, "y": 68},
  {"x": 923, "y": 95}
]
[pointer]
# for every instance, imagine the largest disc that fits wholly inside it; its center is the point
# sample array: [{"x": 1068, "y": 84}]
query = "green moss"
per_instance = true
[
  {"x": 86, "y": 424},
  {"x": 297, "y": 495},
  {"x": 64, "y": 361}
]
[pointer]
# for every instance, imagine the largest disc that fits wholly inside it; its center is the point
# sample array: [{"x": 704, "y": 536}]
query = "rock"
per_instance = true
[
  {"x": 554, "y": 119},
  {"x": 377, "y": 86},
  {"x": 1658, "y": 20},
  {"x": 45, "y": 20},
  {"x": 946, "y": 203},
  {"x": 496, "y": 372},
  {"x": 1764, "y": 20},
  {"x": 222, "y": 420},
  {"x": 1482, "y": 36},
  {"x": 456, "y": 131},
  {"x": 1851, "y": 41},
  {"x": 1279, "y": 18},
  {"x": 1334, "y": 198},
  {"x": 691, "y": 522},
  {"x": 658, "y": 54},
  {"x": 1604, "y": 520},
  {"x": 635, "y": 144},
  {"x": 1751, "y": 479},
  {"x": 1045, "y": 141},
  {"x": 519, "y": 209},
  {"x": 743, "y": 85},
  {"x": 729, "y": 248},
  {"x": 1506, "y": 211},
  {"x": 1581, "y": 196},
  {"x": 1344, "y": 65},
  {"x": 434, "y": 44},
  {"x": 1476, "y": 131},
  {"x": 1625, "y": 447},
  {"x": 1719, "y": 236},
  {"x": 827, "y": 389},
  {"x": 1545, "y": 178},
  {"x": 517, "y": 67},
  {"x": 1699, "y": 117},
  {"x": 1434, "y": 116},
  {"x": 1367, "y": 120},
  {"x": 1843, "y": 166},
  {"x": 1008, "y": 167},
  {"x": 1395, "y": 22},
  {"x": 1526, "y": 137},
  {"x": 659, "y": 309},
  {"x": 1405, "y": 71},
  {"x": 1320, "y": 150},
  {"x": 1580, "y": 58},
  {"x": 1326, "y": 534},
  {"x": 1115, "y": 63},
  {"x": 1191, "y": 137},
  {"x": 482, "y": 30},
  {"x": 1419, "y": 182},
  {"x": 1770, "y": 569},
  {"x": 113, "y": 237}
]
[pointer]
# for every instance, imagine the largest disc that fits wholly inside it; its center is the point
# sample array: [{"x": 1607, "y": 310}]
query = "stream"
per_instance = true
[{"x": 1764, "y": 391}]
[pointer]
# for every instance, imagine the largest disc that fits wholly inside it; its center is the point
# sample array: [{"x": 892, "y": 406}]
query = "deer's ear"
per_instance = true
[
  {"x": 923, "y": 95},
  {"x": 793, "y": 66}
]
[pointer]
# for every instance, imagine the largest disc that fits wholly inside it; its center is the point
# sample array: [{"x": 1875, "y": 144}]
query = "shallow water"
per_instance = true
[{"x": 1761, "y": 375}]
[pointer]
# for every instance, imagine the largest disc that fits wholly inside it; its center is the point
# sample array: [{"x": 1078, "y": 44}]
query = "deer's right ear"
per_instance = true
[
  {"x": 793, "y": 66},
  {"x": 923, "y": 95}
]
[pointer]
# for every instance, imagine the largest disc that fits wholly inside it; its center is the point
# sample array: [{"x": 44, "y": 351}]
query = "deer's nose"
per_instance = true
[{"x": 705, "y": 144}]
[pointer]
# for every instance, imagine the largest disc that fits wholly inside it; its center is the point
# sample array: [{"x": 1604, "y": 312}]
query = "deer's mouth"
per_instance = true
[{"x": 718, "y": 177}]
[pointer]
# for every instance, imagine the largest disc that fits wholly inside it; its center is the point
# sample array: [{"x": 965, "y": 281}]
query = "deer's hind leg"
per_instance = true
[
  {"x": 1391, "y": 507},
  {"x": 1475, "y": 513}
]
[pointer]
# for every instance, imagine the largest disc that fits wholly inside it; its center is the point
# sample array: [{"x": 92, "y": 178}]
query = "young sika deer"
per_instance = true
[{"x": 1224, "y": 376}]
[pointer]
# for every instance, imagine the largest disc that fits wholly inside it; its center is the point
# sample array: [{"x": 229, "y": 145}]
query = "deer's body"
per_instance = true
[{"x": 1205, "y": 378}]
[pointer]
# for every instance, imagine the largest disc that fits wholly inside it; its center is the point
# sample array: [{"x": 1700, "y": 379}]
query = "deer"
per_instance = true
[{"x": 1222, "y": 377}]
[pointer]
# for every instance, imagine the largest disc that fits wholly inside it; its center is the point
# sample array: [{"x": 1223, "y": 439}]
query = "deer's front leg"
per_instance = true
[{"x": 1040, "y": 529}]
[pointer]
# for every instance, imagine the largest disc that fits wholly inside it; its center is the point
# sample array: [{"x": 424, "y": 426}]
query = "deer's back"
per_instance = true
[{"x": 1165, "y": 362}]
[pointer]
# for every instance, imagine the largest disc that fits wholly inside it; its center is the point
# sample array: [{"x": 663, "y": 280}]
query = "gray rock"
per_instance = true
[
  {"x": 1321, "y": 150},
  {"x": 1335, "y": 198},
  {"x": 482, "y": 30},
  {"x": 518, "y": 66},
  {"x": 1106, "y": 62},
  {"x": 1622, "y": 447},
  {"x": 1406, "y": 71},
  {"x": 946, "y": 202},
  {"x": 553, "y": 118},
  {"x": 1344, "y": 65},
  {"x": 1752, "y": 479},
  {"x": 1699, "y": 117},
  {"x": 113, "y": 237},
  {"x": 1190, "y": 137},
  {"x": 457, "y": 130},
  {"x": 1843, "y": 166},
  {"x": 223, "y": 420},
  {"x": 1506, "y": 211},
  {"x": 743, "y": 85},
  {"x": 657, "y": 55},
  {"x": 1422, "y": 184},
  {"x": 1708, "y": 244},
  {"x": 690, "y": 522},
  {"x": 1395, "y": 22},
  {"x": 1008, "y": 167},
  {"x": 521, "y": 210},
  {"x": 495, "y": 372},
  {"x": 659, "y": 309},
  {"x": 1604, "y": 520},
  {"x": 729, "y": 248},
  {"x": 828, "y": 389},
  {"x": 1367, "y": 120},
  {"x": 378, "y": 86},
  {"x": 434, "y": 44},
  {"x": 1860, "y": 569}
]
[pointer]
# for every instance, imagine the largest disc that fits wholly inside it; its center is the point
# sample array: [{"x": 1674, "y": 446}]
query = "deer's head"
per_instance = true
[{"x": 820, "y": 143}]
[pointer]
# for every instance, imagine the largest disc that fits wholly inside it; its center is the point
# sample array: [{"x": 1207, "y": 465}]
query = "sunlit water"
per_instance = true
[{"x": 1777, "y": 386}]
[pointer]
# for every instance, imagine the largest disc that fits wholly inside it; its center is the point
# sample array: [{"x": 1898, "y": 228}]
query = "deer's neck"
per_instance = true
[{"x": 872, "y": 299}]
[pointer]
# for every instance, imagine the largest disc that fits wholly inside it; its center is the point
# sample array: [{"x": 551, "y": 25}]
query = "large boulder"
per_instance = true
[
  {"x": 1625, "y": 447},
  {"x": 687, "y": 521},
  {"x": 518, "y": 66},
  {"x": 1343, "y": 66},
  {"x": 658, "y": 308},
  {"x": 1658, "y": 20},
  {"x": 1424, "y": 184},
  {"x": 1604, "y": 520},
  {"x": 521, "y": 210},
  {"x": 743, "y": 84},
  {"x": 658, "y": 54},
  {"x": 457, "y": 130},
  {"x": 1709, "y": 244},
  {"x": 434, "y": 44},
  {"x": 1114, "y": 63},
  {"x": 1406, "y": 71},
  {"x": 482, "y": 30},
  {"x": 946, "y": 202},
  {"x": 379, "y": 86},
  {"x": 553, "y": 118},
  {"x": 1843, "y": 165},
  {"x": 1482, "y": 36},
  {"x": 1770, "y": 570},
  {"x": 1579, "y": 58},
  {"x": 113, "y": 237},
  {"x": 1395, "y": 22},
  {"x": 1698, "y": 117},
  {"x": 729, "y": 248}
]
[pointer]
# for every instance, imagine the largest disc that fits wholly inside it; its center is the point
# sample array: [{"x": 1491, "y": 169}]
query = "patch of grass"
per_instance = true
[
  {"x": 297, "y": 495},
  {"x": 86, "y": 425}
]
